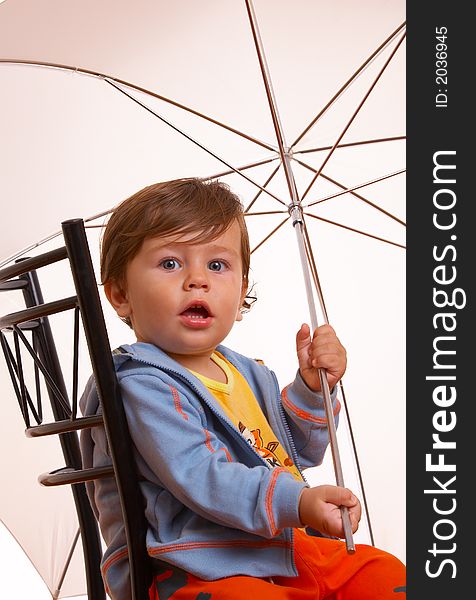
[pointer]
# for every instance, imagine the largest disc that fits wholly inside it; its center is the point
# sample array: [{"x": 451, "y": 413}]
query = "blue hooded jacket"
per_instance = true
[{"x": 214, "y": 506}]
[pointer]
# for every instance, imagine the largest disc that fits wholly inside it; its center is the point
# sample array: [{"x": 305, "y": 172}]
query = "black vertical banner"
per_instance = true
[{"x": 441, "y": 241}]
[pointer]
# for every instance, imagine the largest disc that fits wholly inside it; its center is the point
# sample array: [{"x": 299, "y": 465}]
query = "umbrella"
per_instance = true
[{"x": 131, "y": 94}]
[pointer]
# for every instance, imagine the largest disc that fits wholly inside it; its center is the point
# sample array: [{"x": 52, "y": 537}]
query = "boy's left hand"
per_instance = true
[{"x": 324, "y": 351}]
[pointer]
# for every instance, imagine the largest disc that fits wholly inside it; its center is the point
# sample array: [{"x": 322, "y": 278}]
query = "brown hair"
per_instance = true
[{"x": 182, "y": 206}]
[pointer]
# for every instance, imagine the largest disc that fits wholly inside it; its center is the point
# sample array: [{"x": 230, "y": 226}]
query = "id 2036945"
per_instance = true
[{"x": 441, "y": 67}]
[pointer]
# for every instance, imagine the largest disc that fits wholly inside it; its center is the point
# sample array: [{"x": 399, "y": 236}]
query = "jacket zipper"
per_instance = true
[{"x": 287, "y": 430}]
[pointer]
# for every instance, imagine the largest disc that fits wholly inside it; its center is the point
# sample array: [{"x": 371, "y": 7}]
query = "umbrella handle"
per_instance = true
[
  {"x": 331, "y": 427},
  {"x": 349, "y": 540}
]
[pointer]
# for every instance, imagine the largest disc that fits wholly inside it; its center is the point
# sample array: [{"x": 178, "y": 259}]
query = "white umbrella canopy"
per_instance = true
[{"x": 74, "y": 145}]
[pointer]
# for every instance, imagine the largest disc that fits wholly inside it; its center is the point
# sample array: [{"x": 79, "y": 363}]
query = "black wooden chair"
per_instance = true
[{"x": 32, "y": 324}]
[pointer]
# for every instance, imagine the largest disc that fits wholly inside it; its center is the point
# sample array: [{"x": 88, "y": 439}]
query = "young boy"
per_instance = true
[{"x": 219, "y": 449}]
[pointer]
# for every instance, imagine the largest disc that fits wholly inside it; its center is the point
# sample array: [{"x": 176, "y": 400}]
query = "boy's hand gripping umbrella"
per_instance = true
[{"x": 295, "y": 210}]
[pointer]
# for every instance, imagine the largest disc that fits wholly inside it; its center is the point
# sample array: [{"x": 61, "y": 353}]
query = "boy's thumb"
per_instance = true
[{"x": 303, "y": 336}]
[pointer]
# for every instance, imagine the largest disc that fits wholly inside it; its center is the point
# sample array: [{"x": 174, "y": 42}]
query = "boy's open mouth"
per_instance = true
[
  {"x": 196, "y": 311},
  {"x": 197, "y": 314}
]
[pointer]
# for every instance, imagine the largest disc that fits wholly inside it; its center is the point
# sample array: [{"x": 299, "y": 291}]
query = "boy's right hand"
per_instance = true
[{"x": 319, "y": 508}]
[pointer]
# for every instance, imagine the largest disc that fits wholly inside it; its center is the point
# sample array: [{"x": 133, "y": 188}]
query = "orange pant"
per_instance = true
[{"x": 325, "y": 570}]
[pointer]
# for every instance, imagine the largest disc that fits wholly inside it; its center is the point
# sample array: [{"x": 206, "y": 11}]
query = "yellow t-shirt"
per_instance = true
[{"x": 240, "y": 405}]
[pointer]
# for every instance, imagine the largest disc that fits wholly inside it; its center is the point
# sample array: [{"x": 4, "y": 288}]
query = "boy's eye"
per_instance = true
[
  {"x": 216, "y": 265},
  {"x": 169, "y": 264}
]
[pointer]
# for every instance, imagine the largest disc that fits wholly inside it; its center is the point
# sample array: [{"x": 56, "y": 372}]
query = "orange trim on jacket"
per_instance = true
[
  {"x": 178, "y": 406},
  {"x": 269, "y": 499},
  {"x": 212, "y": 449},
  {"x": 215, "y": 544},
  {"x": 304, "y": 414}
]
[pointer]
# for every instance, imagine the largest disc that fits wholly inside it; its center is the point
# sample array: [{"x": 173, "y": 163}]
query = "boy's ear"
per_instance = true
[
  {"x": 239, "y": 314},
  {"x": 117, "y": 298}
]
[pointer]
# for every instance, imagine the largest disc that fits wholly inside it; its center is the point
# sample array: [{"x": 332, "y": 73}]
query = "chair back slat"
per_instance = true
[
  {"x": 31, "y": 264},
  {"x": 115, "y": 422}
]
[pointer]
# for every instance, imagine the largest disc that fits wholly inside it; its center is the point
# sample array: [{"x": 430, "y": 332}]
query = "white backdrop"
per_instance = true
[{"x": 72, "y": 146}]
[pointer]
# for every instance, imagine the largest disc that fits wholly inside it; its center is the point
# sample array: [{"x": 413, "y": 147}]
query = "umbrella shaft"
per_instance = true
[
  {"x": 296, "y": 215},
  {"x": 331, "y": 427}
]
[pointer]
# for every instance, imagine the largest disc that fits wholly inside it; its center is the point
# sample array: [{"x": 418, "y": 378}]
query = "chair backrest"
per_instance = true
[{"x": 86, "y": 304}]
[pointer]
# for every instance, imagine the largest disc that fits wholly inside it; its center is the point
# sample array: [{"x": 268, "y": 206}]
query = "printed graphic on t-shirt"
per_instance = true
[{"x": 267, "y": 452}]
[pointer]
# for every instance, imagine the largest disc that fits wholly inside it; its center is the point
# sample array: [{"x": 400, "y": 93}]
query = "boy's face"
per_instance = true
[{"x": 184, "y": 298}]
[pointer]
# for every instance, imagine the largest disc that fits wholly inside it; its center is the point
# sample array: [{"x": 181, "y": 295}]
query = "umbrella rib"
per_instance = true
[
  {"x": 247, "y": 214},
  {"x": 191, "y": 139},
  {"x": 348, "y": 83},
  {"x": 349, "y": 144},
  {"x": 20, "y": 253},
  {"x": 94, "y": 217},
  {"x": 57, "y": 592},
  {"x": 258, "y": 163},
  {"x": 97, "y": 74},
  {"x": 216, "y": 176},
  {"x": 317, "y": 283},
  {"x": 346, "y": 189},
  {"x": 357, "y": 461},
  {"x": 266, "y": 212},
  {"x": 270, "y": 234},
  {"x": 356, "y": 187},
  {"x": 104, "y": 213},
  {"x": 370, "y": 235},
  {"x": 331, "y": 152},
  {"x": 379, "y": 208},
  {"x": 259, "y": 191},
  {"x": 283, "y": 152}
]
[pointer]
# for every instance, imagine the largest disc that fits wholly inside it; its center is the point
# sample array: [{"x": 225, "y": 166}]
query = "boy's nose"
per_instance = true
[{"x": 196, "y": 280}]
